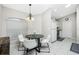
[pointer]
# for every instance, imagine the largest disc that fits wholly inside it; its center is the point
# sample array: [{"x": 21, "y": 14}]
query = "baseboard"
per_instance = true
[
  {"x": 73, "y": 38},
  {"x": 54, "y": 41}
]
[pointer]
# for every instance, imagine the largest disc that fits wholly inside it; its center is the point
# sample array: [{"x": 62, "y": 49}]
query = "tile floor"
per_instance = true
[{"x": 57, "y": 48}]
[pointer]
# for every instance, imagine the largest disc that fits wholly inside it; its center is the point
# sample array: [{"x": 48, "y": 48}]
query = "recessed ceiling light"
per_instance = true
[{"x": 68, "y": 5}]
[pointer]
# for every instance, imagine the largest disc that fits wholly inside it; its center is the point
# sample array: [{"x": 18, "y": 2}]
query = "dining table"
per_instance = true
[{"x": 37, "y": 37}]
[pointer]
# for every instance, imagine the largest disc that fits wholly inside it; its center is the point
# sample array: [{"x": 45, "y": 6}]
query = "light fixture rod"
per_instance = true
[{"x": 30, "y": 15}]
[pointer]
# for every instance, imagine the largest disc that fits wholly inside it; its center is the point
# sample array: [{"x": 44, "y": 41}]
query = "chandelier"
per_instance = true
[{"x": 30, "y": 17}]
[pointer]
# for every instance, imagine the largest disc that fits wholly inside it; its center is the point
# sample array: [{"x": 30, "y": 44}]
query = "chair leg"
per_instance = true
[
  {"x": 36, "y": 51},
  {"x": 48, "y": 47},
  {"x": 24, "y": 51},
  {"x": 20, "y": 44}
]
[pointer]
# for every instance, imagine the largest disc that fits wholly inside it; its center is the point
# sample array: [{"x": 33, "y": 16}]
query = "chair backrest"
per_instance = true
[
  {"x": 30, "y": 43},
  {"x": 21, "y": 38}
]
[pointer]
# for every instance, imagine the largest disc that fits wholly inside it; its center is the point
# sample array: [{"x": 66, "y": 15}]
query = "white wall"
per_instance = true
[
  {"x": 35, "y": 25},
  {"x": 46, "y": 22},
  {"x": 77, "y": 23},
  {"x": 38, "y": 23},
  {"x": 68, "y": 27},
  {"x": 6, "y": 13},
  {"x": 0, "y": 19},
  {"x": 16, "y": 27}
]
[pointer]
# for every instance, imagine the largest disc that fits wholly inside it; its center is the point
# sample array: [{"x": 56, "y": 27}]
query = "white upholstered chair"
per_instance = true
[
  {"x": 29, "y": 45},
  {"x": 45, "y": 43},
  {"x": 21, "y": 41}
]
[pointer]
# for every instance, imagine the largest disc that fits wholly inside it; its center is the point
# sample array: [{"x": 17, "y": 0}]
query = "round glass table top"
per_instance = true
[{"x": 34, "y": 36}]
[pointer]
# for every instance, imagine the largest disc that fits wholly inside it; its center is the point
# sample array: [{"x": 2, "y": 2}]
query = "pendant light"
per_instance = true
[{"x": 30, "y": 17}]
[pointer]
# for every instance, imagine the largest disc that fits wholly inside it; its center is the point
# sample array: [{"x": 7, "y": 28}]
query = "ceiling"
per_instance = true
[
  {"x": 58, "y": 10},
  {"x": 35, "y": 8},
  {"x": 61, "y": 10}
]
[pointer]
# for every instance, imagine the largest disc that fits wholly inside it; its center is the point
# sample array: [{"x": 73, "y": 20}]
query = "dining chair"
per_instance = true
[
  {"x": 30, "y": 45},
  {"x": 21, "y": 40},
  {"x": 45, "y": 43}
]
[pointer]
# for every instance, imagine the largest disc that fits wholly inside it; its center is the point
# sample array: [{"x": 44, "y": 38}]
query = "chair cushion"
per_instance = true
[{"x": 30, "y": 44}]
